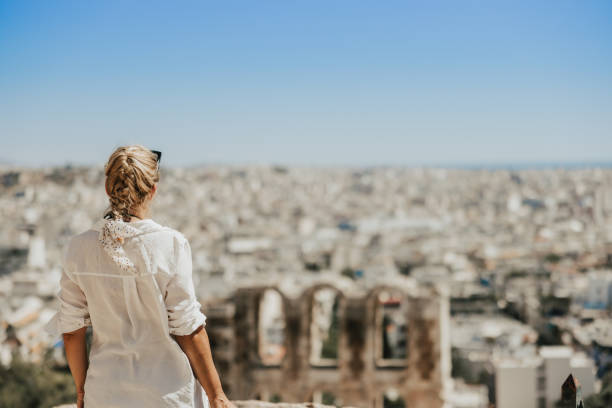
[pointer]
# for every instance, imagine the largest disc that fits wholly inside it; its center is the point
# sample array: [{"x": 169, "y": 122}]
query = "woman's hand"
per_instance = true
[{"x": 221, "y": 401}]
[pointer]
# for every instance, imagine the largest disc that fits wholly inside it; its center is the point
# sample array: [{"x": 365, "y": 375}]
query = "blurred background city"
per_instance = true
[{"x": 390, "y": 204}]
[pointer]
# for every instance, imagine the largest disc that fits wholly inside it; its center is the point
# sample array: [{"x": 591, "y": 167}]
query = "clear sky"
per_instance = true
[{"x": 307, "y": 82}]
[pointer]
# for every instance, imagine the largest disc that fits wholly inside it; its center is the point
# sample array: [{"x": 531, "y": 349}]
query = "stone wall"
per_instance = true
[
  {"x": 357, "y": 378},
  {"x": 253, "y": 404}
]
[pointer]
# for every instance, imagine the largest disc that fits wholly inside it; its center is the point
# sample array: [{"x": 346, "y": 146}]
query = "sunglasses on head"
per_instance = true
[{"x": 158, "y": 154}]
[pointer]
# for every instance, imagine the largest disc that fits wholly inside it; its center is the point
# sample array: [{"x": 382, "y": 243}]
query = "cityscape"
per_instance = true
[
  {"x": 394, "y": 204},
  {"x": 407, "y": 286}
]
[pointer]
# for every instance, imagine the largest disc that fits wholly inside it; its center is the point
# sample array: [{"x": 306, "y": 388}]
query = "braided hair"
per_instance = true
[{"x": 131, "y": 172}]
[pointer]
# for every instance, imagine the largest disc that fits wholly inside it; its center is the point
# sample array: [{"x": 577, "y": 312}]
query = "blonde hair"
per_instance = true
[{"x": 131, "y": 172}]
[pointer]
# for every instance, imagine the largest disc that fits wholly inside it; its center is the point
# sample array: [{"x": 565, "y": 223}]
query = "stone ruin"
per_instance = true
[{"x": 282, "y": 362}]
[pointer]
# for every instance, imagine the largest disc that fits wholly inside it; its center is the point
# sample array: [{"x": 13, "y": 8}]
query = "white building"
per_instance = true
[
  {"x": 37, "y": 254},
  {"x": 535, "y": 382},
  {"x": 599, "y": 290},
  {"x": 516, "y": 383}
]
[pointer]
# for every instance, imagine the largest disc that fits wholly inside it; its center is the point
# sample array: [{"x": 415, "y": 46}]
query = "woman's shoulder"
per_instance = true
[
  {"x": 78, "y": 242},
  {"x": 164, "y": 236},
  {"x": 77, "y": 247},
  {"x": 169, "y": 231}
]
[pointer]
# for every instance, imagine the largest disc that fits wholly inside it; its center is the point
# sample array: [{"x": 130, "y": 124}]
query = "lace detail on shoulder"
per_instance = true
[{"x": 112, "y": 236}]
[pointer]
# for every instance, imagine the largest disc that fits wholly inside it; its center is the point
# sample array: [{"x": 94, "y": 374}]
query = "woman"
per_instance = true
[{"x": 130, "y": 278}]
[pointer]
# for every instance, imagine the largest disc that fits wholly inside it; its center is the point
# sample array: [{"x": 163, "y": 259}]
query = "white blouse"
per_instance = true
[{"x": 132, "y": 282}]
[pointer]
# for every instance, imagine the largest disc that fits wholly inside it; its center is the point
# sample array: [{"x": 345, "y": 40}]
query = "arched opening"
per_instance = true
[
  {"x": 324, "y": 327},
  {"x": 271, "y": 328},
  {"x": 392, "y": 399},
  {"x": 391, "y": 329}
]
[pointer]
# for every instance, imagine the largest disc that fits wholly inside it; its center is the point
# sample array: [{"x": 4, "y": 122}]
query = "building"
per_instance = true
[
  {"x": 599, "y": 290},
  {"x": 535, "y": 381},
  {"x": 516, "y": 383},
  {"x": 386, "y": 346}
]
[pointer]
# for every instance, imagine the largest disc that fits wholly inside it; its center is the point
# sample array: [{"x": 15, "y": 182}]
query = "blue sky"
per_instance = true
[{"x": 307, "y": 82}]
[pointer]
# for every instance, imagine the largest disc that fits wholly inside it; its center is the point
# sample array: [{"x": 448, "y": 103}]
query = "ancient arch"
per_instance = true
[
  {"x": 325, "y": 305},
  {"x": 388, "y": 315}
]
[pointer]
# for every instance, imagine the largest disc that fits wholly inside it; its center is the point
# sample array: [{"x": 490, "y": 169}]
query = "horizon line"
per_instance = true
[{"x": 526, "y": 165}]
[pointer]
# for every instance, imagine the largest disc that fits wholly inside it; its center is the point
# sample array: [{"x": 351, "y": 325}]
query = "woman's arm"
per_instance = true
[
  {"x": 197, "y": 348},
  {"x": 76, "y": 354}
]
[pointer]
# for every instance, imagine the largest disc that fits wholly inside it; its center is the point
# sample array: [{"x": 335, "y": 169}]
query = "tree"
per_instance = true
[
  {"x": 32, "y": 385},
  {"x": 604, "y": 398},
  {"x": 330, "y": 344}
]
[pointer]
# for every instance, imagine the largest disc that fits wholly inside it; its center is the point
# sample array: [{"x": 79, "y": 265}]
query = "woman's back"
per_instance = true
[{"x": 134, "y": 287}]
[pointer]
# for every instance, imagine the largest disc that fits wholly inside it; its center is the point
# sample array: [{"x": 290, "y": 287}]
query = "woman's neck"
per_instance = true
[{"x": 139, "y": 215}]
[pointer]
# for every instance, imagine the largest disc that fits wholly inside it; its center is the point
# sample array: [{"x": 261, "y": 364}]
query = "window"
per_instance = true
[
  {"x": 324, "y": 327},
  {"x": 542, "y": 402},
  {"x": 391, "y": 329},
  {"x": 541, "y": 383},
  {"x": 271, "y": 328}
]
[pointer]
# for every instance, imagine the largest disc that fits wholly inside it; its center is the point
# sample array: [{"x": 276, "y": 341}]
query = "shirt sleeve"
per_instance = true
[
  {"x": 73, "y": 312},
  {"x": 184, "y": 314}
]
